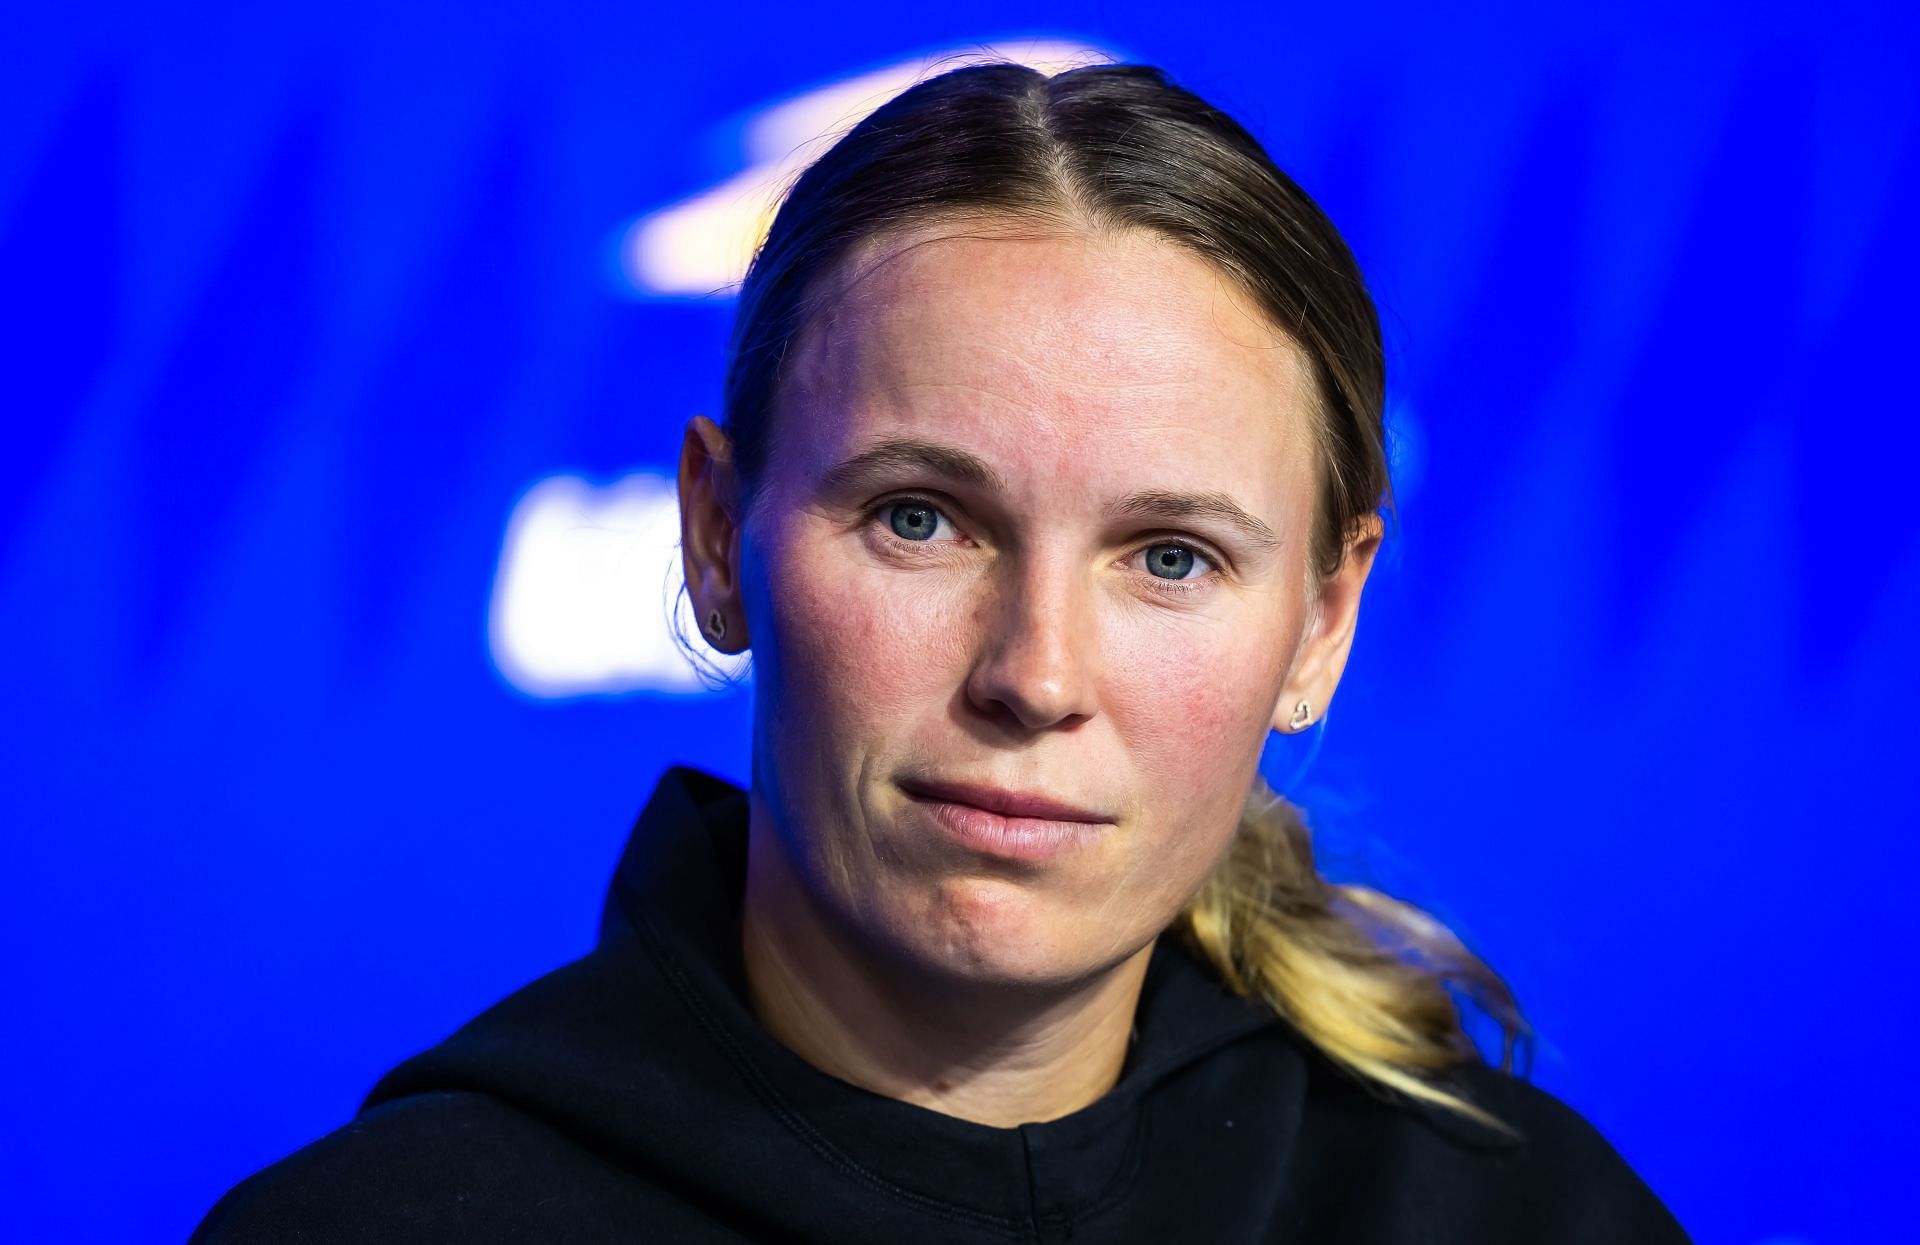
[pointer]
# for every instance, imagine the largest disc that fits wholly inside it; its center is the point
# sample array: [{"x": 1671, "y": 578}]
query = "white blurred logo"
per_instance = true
[
  {"x": 701, "y": 246},
  {"x": 589, "y": 577}
]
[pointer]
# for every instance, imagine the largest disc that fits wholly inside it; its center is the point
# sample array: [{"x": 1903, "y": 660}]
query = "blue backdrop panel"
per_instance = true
[{"x": 303, "y": 306}]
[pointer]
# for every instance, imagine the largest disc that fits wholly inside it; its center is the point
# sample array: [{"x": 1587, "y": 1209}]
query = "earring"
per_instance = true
[
  {"x": 717, "y": 625},
  {"x": 1302, "y": 714}
]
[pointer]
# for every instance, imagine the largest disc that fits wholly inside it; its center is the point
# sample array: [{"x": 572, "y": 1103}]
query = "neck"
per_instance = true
[{"x": 993, "y": 1054}]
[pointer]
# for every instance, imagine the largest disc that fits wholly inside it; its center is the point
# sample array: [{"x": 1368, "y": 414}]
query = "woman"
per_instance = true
[{"x": 1048, "y": 486}]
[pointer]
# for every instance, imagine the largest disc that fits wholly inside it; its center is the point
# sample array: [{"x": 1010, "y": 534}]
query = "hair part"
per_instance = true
[{"x": 1111, "y": 148}]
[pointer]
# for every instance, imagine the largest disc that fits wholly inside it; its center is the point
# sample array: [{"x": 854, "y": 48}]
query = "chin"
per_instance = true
[{"x": 992, "y": 931}]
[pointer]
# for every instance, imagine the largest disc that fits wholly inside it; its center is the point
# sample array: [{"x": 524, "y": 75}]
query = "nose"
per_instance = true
[{"x": 1036, "y": 662}]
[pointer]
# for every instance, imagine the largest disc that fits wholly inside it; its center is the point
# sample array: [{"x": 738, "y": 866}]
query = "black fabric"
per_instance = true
[{"x": 632, "y": 1096}]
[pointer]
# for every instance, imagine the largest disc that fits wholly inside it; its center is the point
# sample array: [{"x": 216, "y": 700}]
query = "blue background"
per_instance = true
[{"x": 298, "y": 303}]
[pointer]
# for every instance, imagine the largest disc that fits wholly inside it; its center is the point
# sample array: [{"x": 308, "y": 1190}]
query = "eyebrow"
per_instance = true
[
  {"x": 876, "y": 464},
  {"x": 1173, "y": 507},
  {"x": 871, "y": 466}
]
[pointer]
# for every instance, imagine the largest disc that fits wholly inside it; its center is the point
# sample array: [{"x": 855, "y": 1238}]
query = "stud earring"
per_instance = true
[
  {"x": 1302, "y": 714},
  {"x": 717, "y": 625}
]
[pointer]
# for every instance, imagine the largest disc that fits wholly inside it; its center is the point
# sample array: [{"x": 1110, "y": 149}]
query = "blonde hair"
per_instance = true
[{"x": 1360, "y": 974}]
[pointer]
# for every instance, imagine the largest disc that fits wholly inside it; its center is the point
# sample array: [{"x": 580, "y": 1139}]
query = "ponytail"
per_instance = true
[{"x": 1361, "y": 975}]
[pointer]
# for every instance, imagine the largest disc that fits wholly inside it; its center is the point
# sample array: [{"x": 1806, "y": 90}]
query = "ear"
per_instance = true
[
  {"x": 710, "y": 531},
  {"x": 1328, "y": 637}
]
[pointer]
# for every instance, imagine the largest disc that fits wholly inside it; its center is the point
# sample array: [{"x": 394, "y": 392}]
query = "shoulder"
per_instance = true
[
  {"x": 450, "y": 1165},
  {"x": 1556, "y": 1177}
]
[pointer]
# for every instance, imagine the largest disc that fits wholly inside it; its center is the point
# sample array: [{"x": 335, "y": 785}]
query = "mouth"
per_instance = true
[{"x": 1013, "y": 825}]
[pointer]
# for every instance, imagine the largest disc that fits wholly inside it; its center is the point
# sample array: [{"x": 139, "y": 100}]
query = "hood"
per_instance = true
[{"x": 646, "y": 1051}]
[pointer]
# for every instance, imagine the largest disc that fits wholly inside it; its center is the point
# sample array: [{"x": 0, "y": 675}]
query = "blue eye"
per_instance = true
[
  {"x": 913, "y": 520},
  {"x": 1172, "y": 561}
]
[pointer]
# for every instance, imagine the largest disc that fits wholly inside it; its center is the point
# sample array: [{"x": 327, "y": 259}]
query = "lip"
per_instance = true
[
  {"x": 1015, "y": 825},
  {"x": 1017, "y": 804}
]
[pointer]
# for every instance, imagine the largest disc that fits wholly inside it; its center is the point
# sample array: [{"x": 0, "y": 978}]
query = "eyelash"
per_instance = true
[{"x": 1177, "y": 587}]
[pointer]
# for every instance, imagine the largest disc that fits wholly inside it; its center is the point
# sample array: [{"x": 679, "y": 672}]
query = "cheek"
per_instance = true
[
  {"x": 859, "y": 649},
  {"x": 1192, "y": 694},
  {"x": 1193, "y": 701}
]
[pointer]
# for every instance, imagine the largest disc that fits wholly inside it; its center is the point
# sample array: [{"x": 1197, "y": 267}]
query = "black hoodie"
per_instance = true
[{"x": 632, "y": 1096}]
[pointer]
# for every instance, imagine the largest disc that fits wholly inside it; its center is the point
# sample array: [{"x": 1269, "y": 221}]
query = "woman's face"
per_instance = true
[{"x": 1035, "y": 522}]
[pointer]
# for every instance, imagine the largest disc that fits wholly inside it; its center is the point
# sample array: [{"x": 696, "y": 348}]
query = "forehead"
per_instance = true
[{"x": 1074, "y": 339}]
